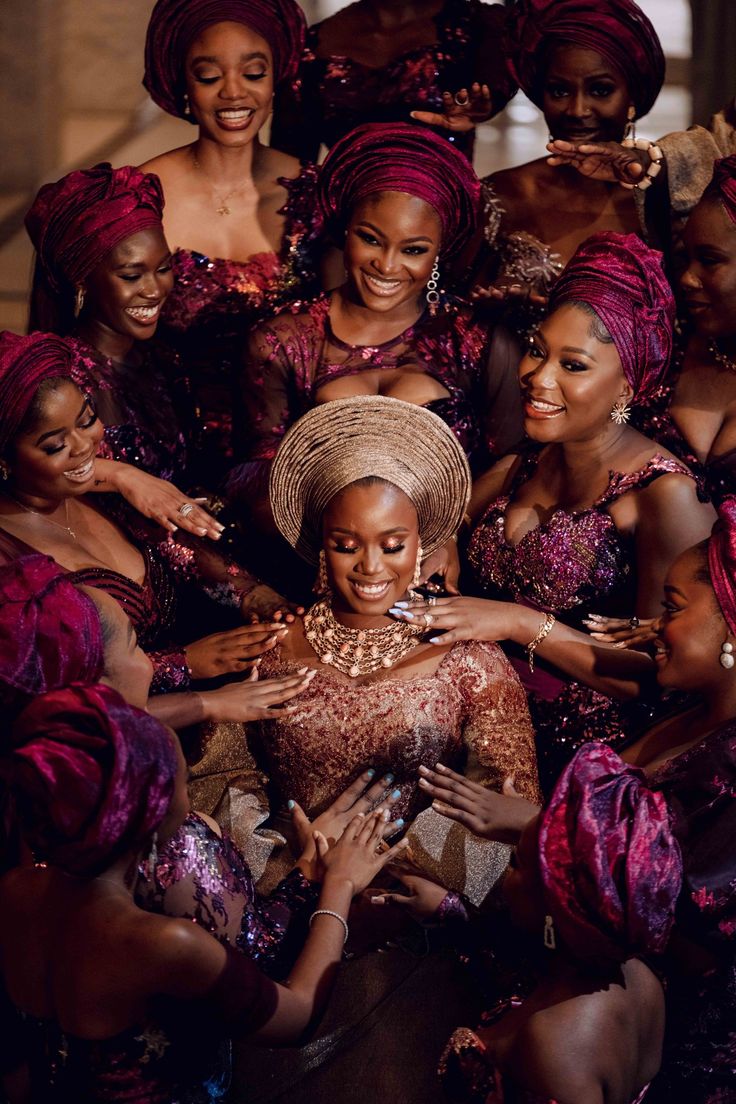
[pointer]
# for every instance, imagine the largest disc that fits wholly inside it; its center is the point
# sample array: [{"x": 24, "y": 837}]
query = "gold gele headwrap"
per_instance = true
[{"x": 343, "y": 441}]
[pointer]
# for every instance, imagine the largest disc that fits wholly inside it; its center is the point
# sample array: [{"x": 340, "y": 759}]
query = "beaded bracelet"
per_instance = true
[
  {"x": 337, "y": 916},
  {"x": 544, "y": 630},
  {"x": 656, "y": 157}
]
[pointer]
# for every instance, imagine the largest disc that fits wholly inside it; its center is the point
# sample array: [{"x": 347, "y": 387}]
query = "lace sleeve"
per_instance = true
[
  {"x": 268, "y": 390},
  {"x": 498, "y": 730}
]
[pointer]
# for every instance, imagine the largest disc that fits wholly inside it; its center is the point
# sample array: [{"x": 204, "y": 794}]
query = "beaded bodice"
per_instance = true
[{"x": 574, "y": 560}]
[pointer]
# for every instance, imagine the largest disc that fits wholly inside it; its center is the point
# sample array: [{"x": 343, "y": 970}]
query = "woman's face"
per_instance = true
[
  {"x": 691, "y": 629},
  {"x": 229, "y": 79},
  {"x": 126, "y": 291},
  {"x": 53, "y": 457},
  {"x": 522, "y": 883},
  {"x": 708, "y": 284},
  {"x": 391, "y": 244},
  {"x": 585, "y": 98},
  {"x": 570, "y": 379},
  {"x": 370, "y": 538},
  {"x": 127, "y": 667}
]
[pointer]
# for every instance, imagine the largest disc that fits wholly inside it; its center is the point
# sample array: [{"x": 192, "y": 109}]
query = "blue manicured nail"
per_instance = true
[
  {"x": 290, "y": 805},
  {"x": 435, "y": 640},
  {"x": 399, "y": 823},
  {"x": 388, "y": 779},
  {"x": 396, "y": 610},
  {"x": 370, "y": 772},
  {"x": 402, "y": 605},
  {"x": 396, "y": 794}
]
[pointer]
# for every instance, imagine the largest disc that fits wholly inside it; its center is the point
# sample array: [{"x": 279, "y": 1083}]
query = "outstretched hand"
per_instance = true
[
  {"x": 462, "y": 111},
  {"x": 600, "y": 160},
  {"x": 422, "y": 900},
  {"x": 494, "y": 816},
  {"x": 358, "y": 856},
  {"x": 622, "y": 632},
  {"x": 461, "y": 618}
]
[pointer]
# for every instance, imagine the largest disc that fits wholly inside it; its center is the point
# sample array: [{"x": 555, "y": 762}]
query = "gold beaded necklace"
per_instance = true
[
  {"x": 357, "y": 652},
  {"x": 721, "y": 358}
]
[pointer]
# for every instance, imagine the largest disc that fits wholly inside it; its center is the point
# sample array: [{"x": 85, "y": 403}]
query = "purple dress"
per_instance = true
[
  {"x": 134, "y": 401},
  {"x": 338, "y": 93},
  {"x": 574, "y": 564},
  {"x": 214, "y": 304}
]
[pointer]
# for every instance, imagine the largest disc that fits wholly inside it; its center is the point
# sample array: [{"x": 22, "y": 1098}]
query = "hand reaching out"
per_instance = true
[
  {"x": 601, "y": 160},
  {"x": 622, "y": 632},
  {"x": 422, "y": 900},
  {"x": 235, "y": 650},
  {"x": 462, "y": 111},
  {"x": 357, "y": 856},
  {"x": 496, "y": 816}
]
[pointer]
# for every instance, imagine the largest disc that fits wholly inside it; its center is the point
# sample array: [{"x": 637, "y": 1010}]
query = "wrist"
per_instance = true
[
  {"x": 525, "y": 625},
  {"x": 337, "y": 891},
  {"x": 207, "y": 706}
]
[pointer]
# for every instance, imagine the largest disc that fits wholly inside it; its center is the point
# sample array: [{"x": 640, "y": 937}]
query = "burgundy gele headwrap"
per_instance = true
[
  {"x": 610, "y": 866},
  {"x": 618, "y": 30},
  {"x": 723, "y": 184},
  {"x": 25, "y": 362},
  {"x": 50, "y": 632},
  {"x": 722, "y": 560},
  {"x": 76, "y": 221},
  {"x": 91, "y": 776},
  {"x": 397, "y": 157},
  {"x": 624, "y": 282},
  {"x": 176, "y": 24}
]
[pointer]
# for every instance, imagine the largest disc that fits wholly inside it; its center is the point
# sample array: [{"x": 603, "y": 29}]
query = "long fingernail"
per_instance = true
[
  {"x": 388, "y": 779},
  {"x": 302, "y": 670},
  {"x": 402, "y": 605},
  {"x": 396, "y": 794},
  {"x": 435, "y": 640},
  {"x": 370, "y": 772},
  {"x": 399, "y": 823},
  {"x": 290, "y": 805}
]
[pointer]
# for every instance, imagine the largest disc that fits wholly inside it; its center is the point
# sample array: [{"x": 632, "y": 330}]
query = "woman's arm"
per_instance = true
[{"x": 155, "y": 498}]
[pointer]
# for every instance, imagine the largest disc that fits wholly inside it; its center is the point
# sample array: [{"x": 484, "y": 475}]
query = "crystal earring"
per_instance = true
[
  {"x": 550, "y": 940},
  {"x": 726, "y": 658},
  {"x": 630, "y": 131},
  {"x": 78, "y": 301},
  {"x": 621, "y": 412},
  {"x": 321, "y": 583},
  {"x": 153, "y": 856},
  {"x": 417, "y": 575},
  {"x": 187, "y": 109},
  {"x": 433, "y": 295}
]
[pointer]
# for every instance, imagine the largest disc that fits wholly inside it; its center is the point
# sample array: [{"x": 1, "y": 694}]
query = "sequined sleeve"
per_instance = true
[
  {"x": 203, "y": 877},
  {"x": 498, "y": 731},
  {"x": 170, "y": 671}
]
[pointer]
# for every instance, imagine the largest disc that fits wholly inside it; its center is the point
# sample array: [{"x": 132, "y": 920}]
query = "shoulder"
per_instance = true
[
  {"x": 524, "y": 178},
  {"x": 481, "y": 658},
  {"x": 167, "y": 164},
  {"x": 543, "y": 1060},
  {"x": 490, "y": 485},
  {"x": 280, "y": 166}
]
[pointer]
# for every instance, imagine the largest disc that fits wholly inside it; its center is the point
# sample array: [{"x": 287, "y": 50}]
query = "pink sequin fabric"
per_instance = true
[
  {"x": 214, "y": 304},
  {"x": 472, "y": 707},
  {"x": 292, "y": 356},
  {"x": 133, "y": 399},
  {"x": 573, "y": 564},
  {"x": 203, "y": 877}
]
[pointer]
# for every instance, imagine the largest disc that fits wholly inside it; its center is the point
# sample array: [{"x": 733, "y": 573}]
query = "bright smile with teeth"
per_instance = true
[
  {"x": 82, "y": 473},
  {"x": 235, "y": 114},
  {"x": 380, "y": 286},
  {"x": 545, "y": 407},
  {"x": 370, "y": 590},
  {"x": 144, "y": 314}
]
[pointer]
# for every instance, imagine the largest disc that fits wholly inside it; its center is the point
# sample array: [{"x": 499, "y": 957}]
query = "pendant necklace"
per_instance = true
[
  {"x": 221, "y": 200},
  {"x": 29, "y": 510}
]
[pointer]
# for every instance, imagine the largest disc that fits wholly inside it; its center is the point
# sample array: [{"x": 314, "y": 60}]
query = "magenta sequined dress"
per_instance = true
[
  {"x": 293, "y": 355},
  {"x": 134, "y": 401},
  {"x": 338, "y": 93},
  {"x": 203, "y": 877},
  {"x": 652, "y": 417},
  {"x": 214, "y": 304},
  {"x": 574, "y": 564}
]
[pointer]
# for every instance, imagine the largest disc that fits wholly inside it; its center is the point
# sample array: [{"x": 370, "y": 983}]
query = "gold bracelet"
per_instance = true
[{"x": 544, "y": 630}]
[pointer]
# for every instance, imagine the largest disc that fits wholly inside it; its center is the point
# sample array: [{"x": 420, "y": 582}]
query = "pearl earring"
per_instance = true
[{"x": 726, "y": 658}]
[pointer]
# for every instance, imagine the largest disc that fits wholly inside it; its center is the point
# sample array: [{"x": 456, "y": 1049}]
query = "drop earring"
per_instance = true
[
  {"x": 187, "y": 109},
  {"x": 417, "y": 576},
  {"x": 153, "y": 857},
  {"x": 621, "y": 412},
  {"x": 630, "y": 131},
  {"x": 433, "y": 295},
  {"x": 4, "y": 471},
  {"x": 726, "y": 658},
  {"x": 321, "y": 583},
  {"x": 550, "y": 940},
  {"x": 78, "y": 301}
]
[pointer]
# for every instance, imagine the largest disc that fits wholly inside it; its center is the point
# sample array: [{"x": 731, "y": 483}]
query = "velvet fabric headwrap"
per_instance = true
[
  {"x": 723, "y": 184},
  {"x": 25, "y": 362},
  {"x": 50, "y": 632},
  {"x": 618, "y": 30},
  {"x": 76, "y": 221},
  {"x": 92, "y": 777},
  {"x": 396, "y": 157},
  {"x": 624, "y": 282},
  {"x": 722, "y": 560},
  {"x": 176, "y": 24},
  {"x": 610, "y": 866}
]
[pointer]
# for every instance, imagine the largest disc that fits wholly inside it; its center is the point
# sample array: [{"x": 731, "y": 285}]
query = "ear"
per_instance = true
[{"x": 627, "y": 392}]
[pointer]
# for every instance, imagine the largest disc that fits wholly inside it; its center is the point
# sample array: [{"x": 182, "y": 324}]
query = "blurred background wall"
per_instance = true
[{"x": 70, "y": 95}]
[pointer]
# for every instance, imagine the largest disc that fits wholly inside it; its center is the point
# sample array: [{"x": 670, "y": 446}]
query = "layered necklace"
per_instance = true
[
  {"x": 719, "y": 357},
  {"x": 49, "y": 521},
  {"x": 357, "y": 652},
  {"x": 221, "y": 200}
]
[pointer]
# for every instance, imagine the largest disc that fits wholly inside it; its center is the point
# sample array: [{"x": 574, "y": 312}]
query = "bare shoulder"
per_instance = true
[
  {"x": 523, "y": 179},
  {"x": 168, "y": 164},
  {"x": 274, "y": 165},
  {"x": 490, "y": 485}
]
